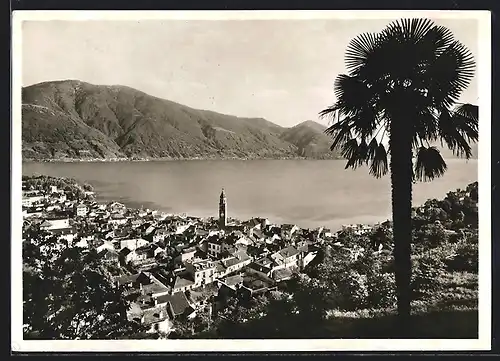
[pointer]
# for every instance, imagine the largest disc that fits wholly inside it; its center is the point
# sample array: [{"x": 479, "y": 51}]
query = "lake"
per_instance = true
[{"x": 309, "y": 193}]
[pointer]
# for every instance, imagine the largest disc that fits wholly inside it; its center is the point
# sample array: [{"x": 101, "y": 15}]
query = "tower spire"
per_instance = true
[{"x": 222, "y": 210}]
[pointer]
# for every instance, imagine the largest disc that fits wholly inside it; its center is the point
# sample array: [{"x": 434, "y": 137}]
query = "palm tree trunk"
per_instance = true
[{"x": 401, "y": 182}]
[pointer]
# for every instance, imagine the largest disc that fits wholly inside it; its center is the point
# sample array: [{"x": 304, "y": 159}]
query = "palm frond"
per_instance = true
[
  {"x": 355, "y": 152},
  {"x": 372, "y": 148},
  {"x": 330, "y": 111},
  {"x": 440, "y": 36},
  {"x": 426, "y": 126},
  {"x": 359, "y": 50},
  {"x": 340, "y": 132},
  {"x": 457, "y": 130},
  {"x": 429, "y": 164},
  {"x": 352, "y": 94},
  {"x": 450, "y": 73},
  {"x": 469, "y": 111},
  {"x": 379, "y": 164},
  {"x": 465, "y": 119}
]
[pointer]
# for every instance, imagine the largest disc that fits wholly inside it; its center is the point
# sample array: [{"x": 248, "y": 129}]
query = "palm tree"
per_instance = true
[{"x": 403, "y": 85}]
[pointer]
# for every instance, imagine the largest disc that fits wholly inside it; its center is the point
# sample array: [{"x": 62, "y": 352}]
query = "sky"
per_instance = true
[{"x": 280, "y": 70}]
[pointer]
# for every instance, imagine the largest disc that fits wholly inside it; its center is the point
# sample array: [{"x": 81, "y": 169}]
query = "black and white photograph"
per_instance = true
[{"x": 251, "y": 180}]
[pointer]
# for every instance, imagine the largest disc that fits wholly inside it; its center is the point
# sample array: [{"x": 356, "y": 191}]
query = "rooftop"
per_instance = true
[
  {"x": 179, "y": 303},
  {"x": 127, "y": 279},
  {"x": 182, "y": 281},
  {"x": 289, "y": 251},
  {"x": 154, "y": 315},
  {"x": 233, "y": 280}
]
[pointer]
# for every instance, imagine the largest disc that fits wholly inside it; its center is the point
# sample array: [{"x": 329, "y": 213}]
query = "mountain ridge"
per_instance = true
[{"x": 74, "y": 119}]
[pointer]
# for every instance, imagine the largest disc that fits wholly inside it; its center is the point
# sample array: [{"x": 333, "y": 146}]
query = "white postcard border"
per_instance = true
[{"x": 484, "y": 177}]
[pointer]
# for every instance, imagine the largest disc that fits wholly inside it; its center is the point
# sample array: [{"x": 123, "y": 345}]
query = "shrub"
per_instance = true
[
  {"x": 354, "y": 290},
  {"x": 425, "y": 275},
  {"x": 466, "y": 258},
  {"x": 381, "y": 290}
]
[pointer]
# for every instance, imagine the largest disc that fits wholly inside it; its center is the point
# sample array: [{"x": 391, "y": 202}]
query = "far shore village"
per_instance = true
[{"x": 173, "y": 265}]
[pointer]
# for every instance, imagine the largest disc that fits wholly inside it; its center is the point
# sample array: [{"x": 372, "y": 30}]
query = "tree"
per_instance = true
[
  {"x": 69, "y": 294},
  {"x": 403, "y": 83}
]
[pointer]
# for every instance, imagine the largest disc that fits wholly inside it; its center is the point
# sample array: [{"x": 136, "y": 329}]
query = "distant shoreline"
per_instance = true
[{"x": 116, "y": 160}]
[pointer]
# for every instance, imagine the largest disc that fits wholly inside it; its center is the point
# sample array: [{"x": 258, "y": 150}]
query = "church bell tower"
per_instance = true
[{"x": 222, "y": 210}]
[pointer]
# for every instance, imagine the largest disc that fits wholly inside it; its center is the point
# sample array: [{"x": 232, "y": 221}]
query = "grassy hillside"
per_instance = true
[{"x": 78, "y": 120}]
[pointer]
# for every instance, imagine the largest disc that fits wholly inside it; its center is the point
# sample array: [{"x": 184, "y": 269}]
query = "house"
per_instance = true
[
  {"x": 68, "y": 234},
  {"x": 81, "y": 243},
  {"x": 147, "y": 285},
  {"x": 263, "y": 266},
  {"x": 127, "y": 281},
  {"x": 131, "y": 243},
  {"x": 289, "y": 256},
  {"x": 232, "y": 282},
  {"x": 183, "y": 282},
  {"x": 33, "y": 212},
  {"x": 31, "y": 200},
  {"x": 243, "y": 240},
  {"x": 178, "y": 305},
  {"x": 149, "y": 251},
  {"x": 98, "y": 244},
  {"x": 117, "y": 219},
  {"x": 187, "y": 254},
  {"x": 127, "y": 255},
  {"x": 55, "y": 223},
  {"x": 287, "y": 230},
  {"x": 135, "y": 223},
  {"x": 214, "y": 246},
  {"x": 160, "y": 235},
  {"x": 254, "y": 283},
  {"x": 117, "y": 208},
  {"x": 81, "y": 210},
  {"x": 282, "y": 274},
  {"x": 110, "y": 256},
  {"x": 236, "y": 262},
  {"x": 202, "y": 272},
  {"x": 156, "y": 319},
  {"x": 308, "y": 258},
  {"x": 181, "y": 228}
]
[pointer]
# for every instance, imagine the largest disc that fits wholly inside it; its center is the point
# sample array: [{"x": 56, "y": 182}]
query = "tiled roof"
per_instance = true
[
  {"x": 127, "y": 279},
  {"x": 282, "y": 273},
  {"x": 155, "y": 287},
  {"x": 182, "y": 282},
  {"x": 288, "y": 252},
  {"x": 108, "y": 252},
  {"x": 233, "y": 280},
  {"x": 154, "y": 315},
  {"x": 231, "y": 261},
  {"x": 178, "y": 303},
  {"x": 219, "y": 266},
  {"x": 164, "y": 299},
  {"x": 125, "y": 251}
]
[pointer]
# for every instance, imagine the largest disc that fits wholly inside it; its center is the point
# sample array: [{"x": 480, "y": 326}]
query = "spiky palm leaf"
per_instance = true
[
  {"x": 429, "y": 164},
  {"x": 403, "y": 83},
  {"x": 412, "y": 64}
]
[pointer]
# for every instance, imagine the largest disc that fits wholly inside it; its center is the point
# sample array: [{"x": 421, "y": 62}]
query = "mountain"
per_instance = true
[
  {"x": 78, "y": 120},
  {"x": 74, "y": 119},
  {"x": 310, "y": 140}
]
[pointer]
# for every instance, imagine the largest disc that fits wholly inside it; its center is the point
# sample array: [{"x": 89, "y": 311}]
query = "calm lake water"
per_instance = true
[{"x": 304, "y": 192}]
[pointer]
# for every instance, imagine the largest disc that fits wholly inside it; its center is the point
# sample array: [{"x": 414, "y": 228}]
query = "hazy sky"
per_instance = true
[{"x": 282, "y": 70}]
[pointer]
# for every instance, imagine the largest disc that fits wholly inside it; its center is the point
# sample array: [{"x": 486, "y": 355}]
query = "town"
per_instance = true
[{"x": 172, "y": 265}]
